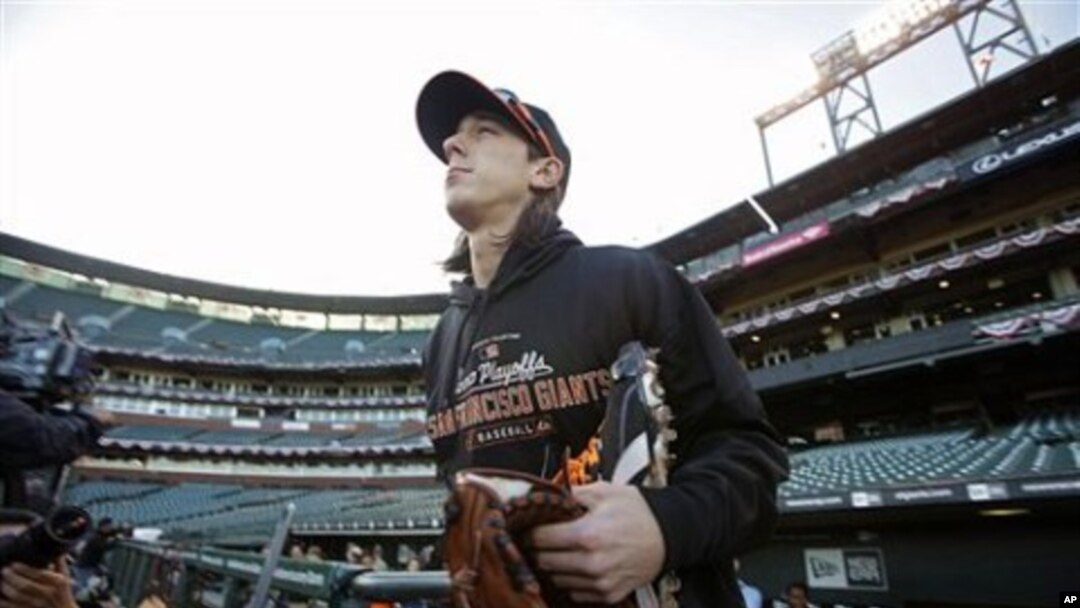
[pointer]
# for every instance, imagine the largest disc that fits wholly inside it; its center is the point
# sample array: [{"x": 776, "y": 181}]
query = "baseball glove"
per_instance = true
[{"x": 489, "y": 515}]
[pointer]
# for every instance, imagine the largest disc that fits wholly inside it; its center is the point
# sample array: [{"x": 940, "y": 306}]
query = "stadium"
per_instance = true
[{"x": 910, "y": 322}]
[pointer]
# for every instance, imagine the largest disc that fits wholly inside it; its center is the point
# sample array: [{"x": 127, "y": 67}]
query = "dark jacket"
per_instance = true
[
  {"x": 29, "y": 438},
  {"x": 519, "y": 371}
]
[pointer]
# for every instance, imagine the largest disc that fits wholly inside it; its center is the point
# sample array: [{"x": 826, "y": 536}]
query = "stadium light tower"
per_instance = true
[{"x": 996, "y": 26}]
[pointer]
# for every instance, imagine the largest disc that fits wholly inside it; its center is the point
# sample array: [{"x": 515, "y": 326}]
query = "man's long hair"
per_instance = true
[{"x": 531, "y": 225}]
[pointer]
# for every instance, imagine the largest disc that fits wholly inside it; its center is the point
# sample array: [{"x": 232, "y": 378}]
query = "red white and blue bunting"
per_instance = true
[
  {"x": 983, "y": 253},
  {"x": 1046, "y": 321}
]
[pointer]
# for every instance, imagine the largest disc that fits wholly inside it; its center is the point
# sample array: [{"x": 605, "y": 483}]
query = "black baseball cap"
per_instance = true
[{"x": 451, "y": 96}]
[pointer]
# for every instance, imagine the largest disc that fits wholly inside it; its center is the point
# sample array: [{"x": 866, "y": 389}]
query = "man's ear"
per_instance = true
[{"x": 547, "y": 173}]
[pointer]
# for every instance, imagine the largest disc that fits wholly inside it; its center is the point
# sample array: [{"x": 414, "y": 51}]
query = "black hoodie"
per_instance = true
[{"x": 527, "y": 360}]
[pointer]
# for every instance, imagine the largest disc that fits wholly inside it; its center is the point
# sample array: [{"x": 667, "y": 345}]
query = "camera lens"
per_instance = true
[{"x": 67, "y": 524}]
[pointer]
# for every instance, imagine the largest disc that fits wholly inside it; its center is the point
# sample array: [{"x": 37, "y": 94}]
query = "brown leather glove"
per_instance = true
[{"x": 489, "y": 515}]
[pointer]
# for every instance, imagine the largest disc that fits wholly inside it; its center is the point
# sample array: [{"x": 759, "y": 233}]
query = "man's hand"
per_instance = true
[
  {"x": 24, "y": 587},
  {"x": 606, "y": 554},
  {"x": 104, "y": 416}
]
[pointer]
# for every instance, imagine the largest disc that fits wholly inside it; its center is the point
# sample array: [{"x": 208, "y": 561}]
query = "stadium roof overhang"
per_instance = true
[
  {"x": 976, "y": 114},
  {"x": 52, "y": 257}
]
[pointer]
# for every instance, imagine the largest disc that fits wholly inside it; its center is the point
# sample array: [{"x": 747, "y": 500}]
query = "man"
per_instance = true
[
  {"x": 353, "y": 554},
  {"x": 517, "y": 368},
  {"x": 377, "y": 559},
  {"x": 93, "y": 579},
  {"x": 296, "y": 551},
  {"x": 798, "y": 595},
  {"x": 104, "y": 537}
]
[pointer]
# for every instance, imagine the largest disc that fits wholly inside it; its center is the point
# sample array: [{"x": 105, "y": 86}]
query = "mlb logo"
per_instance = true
[
  {"x": 862, "y": 500},
  {"x": 491, "y": 351},
  {"x": 978, "y": 491}
]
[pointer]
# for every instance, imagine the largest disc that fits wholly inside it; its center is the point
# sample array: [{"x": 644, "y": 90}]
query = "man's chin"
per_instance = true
[{"x": 463, "y": 213}]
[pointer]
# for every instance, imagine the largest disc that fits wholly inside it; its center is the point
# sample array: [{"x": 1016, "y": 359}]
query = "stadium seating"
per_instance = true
[
  {"x": 142, "y": 328},
  {"x": 117, "y": 387},
  {"x": 378, "y": 436},
  {"x": 7, "y": 284},
  {"x": 231, "y": 437},
  {"x": 149, "y": 323},
  {"x": 303, "y": 440},
  {"x": 330, "y": 344},
  {"x": 1044, "y": 443},
  {"x": 93, "y": 492},
  {"x": 383, "y": 436},
  {"x": 41, "y": 302},
  {"x": 400, "y": 342},
  {"x": 151, "y": 433},
  {"x": 211, "y": 509},
  {"x": 241, "y": 335}
]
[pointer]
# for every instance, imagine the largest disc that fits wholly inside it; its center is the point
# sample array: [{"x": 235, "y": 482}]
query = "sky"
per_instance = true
[{"x": 273, "y": 144}]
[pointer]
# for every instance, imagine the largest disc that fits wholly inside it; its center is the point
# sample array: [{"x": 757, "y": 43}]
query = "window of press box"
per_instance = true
[
  {"x": 1017, "y": 227},
  {"x": 896, "y": 264},
  {"x": 975, "y": 238},
  {"x": 777, "y": 357},
  {"x": 857, "y": 334},
  {"x": 807, "y": 347},
  {"x": 1068, "y": 211},
  {"x": 836, "y": 283},
  {"x": 754, "y": 362},
  {"x": 931, "y": 252},
  {"x": 917, "y": 322}
]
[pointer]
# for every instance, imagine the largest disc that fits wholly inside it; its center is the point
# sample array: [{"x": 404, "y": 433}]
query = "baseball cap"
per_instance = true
[{"x": 451, "y": 96}]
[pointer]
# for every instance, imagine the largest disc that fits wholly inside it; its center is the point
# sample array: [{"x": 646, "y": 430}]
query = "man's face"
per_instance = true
[
  {"x": 797, "y": 597},
  {"x": 488, "y": 170}
]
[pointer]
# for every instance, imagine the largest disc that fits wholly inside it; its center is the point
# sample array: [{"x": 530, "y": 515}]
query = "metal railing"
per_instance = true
[{"x": 216, "y": 578}]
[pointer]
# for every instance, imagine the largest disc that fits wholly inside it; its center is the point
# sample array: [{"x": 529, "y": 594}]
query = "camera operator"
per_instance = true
[
  {"x": 45, "y": 377},
  {"x": 23, "y": 586},
  {"x": 41, "y": 370}
]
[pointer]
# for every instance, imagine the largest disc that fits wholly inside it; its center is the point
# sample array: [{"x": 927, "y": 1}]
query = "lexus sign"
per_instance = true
[{"x": 1027, "y": 147}]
